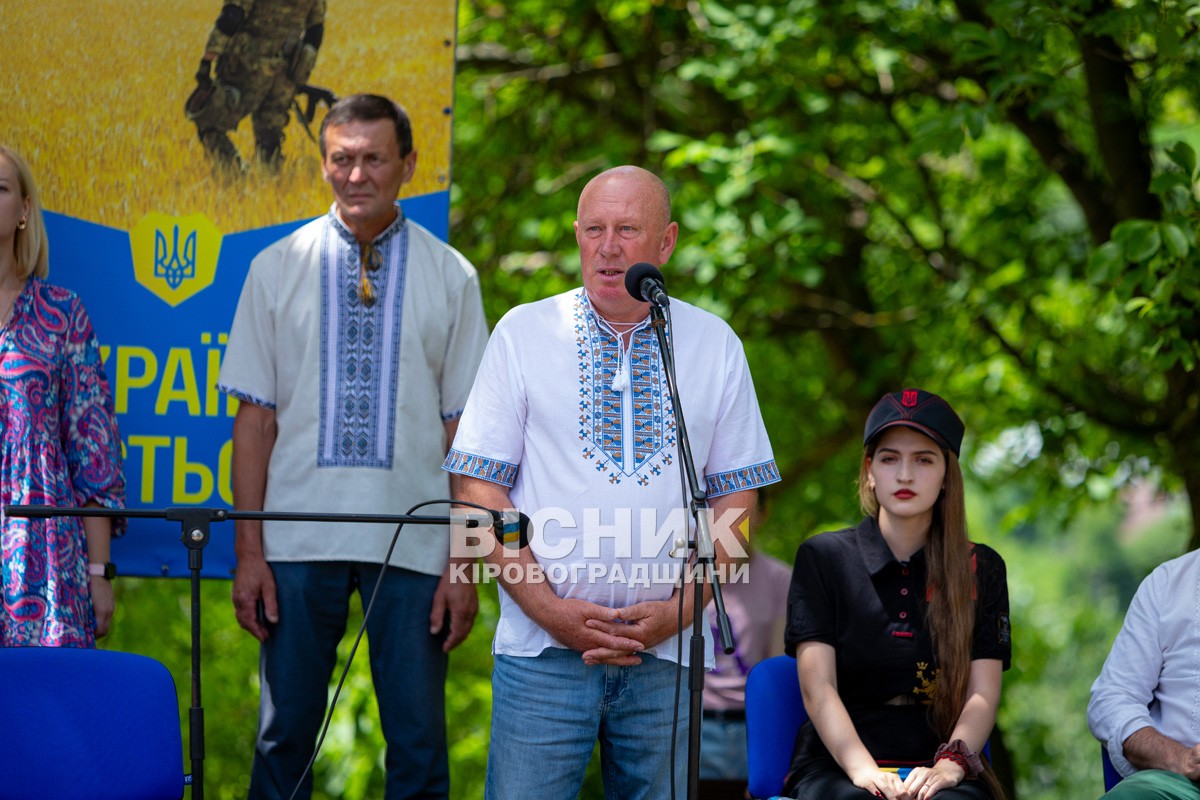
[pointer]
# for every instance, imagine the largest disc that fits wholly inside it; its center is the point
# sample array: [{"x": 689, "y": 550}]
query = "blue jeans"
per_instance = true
[
  {"x": 408, "y": 669},
  {"x": 547, "y": 712},
  {"x": 723, "y": 755}
]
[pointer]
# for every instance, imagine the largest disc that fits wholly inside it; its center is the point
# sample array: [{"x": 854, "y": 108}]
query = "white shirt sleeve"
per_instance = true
[
  {"x": 248, "y": 366},
  {"x": 490, "y": 442},
  {"x": 465, "y": 346},
  {"x": 1124, "y": 691},
  {"x": 740, "y": 457}
]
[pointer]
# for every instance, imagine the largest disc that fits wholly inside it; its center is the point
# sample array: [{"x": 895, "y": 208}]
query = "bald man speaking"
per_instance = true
[{"x": 570, "y": 421}]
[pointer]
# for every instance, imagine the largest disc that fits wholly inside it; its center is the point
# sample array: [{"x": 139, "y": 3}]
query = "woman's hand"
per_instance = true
[
  {"x": 102, "y": 603},
  {"x": 925, "y": 782},
  {"x": 881, "y": 783}
]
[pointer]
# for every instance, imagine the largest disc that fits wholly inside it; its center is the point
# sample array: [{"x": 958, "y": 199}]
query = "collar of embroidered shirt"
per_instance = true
[
  {"x": 624, "y": 343},
  {"x": 379, "y": 241}
]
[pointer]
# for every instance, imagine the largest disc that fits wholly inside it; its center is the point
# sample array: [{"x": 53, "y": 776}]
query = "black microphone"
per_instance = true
[
  {"x": 645, "y": 282},
  {"x": 511, "y": 528}
]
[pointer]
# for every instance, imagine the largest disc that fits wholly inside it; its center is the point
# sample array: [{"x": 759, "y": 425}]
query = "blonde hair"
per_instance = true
[{"x": 30, "y": 246}]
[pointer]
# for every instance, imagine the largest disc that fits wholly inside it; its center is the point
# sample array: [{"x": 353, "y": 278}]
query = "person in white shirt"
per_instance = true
[
  {"x": 570, "y": 421},
  {"x": 352, "y": 351},
  {"x": 1143, "y": 706}
]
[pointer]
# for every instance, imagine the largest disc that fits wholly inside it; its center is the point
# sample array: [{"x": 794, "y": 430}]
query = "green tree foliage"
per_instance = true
[{"x": 995, "y": 199}]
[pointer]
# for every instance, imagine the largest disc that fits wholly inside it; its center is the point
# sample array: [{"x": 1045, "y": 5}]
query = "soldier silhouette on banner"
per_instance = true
[{"x": 264, "y": 52}]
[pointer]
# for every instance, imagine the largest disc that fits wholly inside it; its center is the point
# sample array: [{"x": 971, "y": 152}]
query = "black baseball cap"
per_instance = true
[{"x": 920, "y": 410}]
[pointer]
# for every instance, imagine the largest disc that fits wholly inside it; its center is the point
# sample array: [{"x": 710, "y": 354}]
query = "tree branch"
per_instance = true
[{"x": 1092, "y": 192}]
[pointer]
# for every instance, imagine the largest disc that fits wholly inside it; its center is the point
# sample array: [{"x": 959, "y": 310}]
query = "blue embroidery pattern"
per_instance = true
[
  {"x": 360, "y": 349},
  {"x": 625, "y": 436},
  {"x": 744, "y": 478},
  {"x": 244, "y": 396},
  {"x": 640, "y": 450},
  {"x": 489, "y": 469}
]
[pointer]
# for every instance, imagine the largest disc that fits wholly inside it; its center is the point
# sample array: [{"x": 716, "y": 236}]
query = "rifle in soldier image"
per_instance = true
[{"x": 314, "y": 96}]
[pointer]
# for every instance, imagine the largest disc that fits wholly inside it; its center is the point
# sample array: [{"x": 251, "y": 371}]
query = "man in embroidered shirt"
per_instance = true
[
  {"x": 352, "y": 352},
  {"x": 569, "y": 420},
  {"x": 1143, "y": 704}
]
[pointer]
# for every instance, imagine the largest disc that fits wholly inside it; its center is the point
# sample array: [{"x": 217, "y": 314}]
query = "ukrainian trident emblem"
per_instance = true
[
  {"x": 175, "y": 257},
  {"x": 169, "y": 265}
]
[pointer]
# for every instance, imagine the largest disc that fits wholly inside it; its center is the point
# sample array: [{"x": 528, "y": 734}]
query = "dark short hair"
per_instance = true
[{"x": 368, "y": 108}]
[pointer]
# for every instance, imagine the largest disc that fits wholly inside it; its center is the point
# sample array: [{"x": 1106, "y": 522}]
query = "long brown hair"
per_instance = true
[{"x": 950, "y": 586}]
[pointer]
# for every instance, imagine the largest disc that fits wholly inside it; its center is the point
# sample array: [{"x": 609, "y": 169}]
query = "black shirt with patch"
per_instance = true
[{"x": 850, "y": 592}]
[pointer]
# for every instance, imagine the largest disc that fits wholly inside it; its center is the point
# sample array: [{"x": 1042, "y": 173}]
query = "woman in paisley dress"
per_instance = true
[{"x": 58, "y": 439}]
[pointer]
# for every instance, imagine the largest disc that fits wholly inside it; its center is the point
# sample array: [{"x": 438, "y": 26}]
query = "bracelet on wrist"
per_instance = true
[
  {"x": 104, "y": 569},
  {"x": 956, "y": 758},
  {"x": 958, "y": 752}
]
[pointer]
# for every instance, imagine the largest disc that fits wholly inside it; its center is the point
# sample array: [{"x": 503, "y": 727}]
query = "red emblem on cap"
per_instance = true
[{"x": 909, "y": 398}]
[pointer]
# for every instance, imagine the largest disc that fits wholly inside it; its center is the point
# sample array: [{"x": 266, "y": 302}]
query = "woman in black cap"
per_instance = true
[{"x": 900, "y": 625}]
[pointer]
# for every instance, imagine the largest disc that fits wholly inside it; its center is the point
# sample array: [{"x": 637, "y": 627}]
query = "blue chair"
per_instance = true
[
  {"x": 88, "y": 725},
  {"x": 1111, "y": 776},
  {"x": 774, "y": 714}
]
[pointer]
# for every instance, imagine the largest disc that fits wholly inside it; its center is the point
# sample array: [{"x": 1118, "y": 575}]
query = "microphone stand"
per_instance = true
[
  {"x": 705, "y": 554},
  {"x": 195, "y": 524}
]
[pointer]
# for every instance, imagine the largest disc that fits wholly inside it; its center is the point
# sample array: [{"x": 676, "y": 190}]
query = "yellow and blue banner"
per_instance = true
[{"x": 157, "y": 242}]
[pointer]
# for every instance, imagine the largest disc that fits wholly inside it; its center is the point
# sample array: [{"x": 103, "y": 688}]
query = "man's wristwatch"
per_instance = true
[{"x": 107, "y": 570}]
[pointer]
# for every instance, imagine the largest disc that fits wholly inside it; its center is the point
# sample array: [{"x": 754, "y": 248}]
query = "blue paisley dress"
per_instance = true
[{"x": 58, "y": 446}]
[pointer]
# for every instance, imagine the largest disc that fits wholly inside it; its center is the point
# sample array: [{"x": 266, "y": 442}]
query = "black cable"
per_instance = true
[
  {"x": 678, "y": 671},
  {"x": 363, "y": 629}
]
